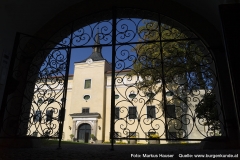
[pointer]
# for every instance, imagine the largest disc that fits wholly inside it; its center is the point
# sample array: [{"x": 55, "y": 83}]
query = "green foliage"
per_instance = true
[
  {"x": 120, "y": 142},
  {"x": 168, "y": 60},
  {"x": 93, "y": 137},
  {"x": 207, "y": 109},
  {"x": 171, "y": 57},
  {"x": 106, "y": 142},
  {"x": 154, "y": 136},
  {"x": 71, "y": 136}
]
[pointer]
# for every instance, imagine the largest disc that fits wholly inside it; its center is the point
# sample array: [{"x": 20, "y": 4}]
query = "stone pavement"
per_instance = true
[{"x": 102, "y": 152}]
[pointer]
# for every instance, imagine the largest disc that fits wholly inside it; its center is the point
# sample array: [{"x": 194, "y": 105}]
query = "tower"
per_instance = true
[{"x": 88, "y": 95}]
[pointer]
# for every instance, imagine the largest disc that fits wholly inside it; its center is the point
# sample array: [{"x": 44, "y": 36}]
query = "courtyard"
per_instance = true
[{"x": 78, "y": 151}]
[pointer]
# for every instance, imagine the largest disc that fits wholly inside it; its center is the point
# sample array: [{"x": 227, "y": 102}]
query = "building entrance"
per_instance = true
[{"x": 84, "y": 132}]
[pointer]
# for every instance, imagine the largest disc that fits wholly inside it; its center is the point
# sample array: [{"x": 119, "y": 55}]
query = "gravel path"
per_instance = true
[{"x": 100, "y": 151}]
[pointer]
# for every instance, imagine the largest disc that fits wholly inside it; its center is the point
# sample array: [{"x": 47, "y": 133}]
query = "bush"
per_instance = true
[
  {"x": 154, "y": 136},
  {"x": 71, "y": 136},
  {"x": 106, "y": 142},
  {"x": 121, "y": 142}
]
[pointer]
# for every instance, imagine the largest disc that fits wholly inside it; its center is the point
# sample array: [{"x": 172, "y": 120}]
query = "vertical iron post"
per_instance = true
[
  {"x": 62, "y": 110},
  {"x": 112, "y": 130},
  {"x": 163, "y": 76}
]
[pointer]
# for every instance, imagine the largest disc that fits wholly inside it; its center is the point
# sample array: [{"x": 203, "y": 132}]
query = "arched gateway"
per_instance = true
[{"x": 160, "y": 84}]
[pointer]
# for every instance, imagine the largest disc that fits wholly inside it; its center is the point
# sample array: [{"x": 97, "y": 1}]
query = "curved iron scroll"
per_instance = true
[
  {"x": 172, "y": 76},
  {"x": 40, "y": 73}
]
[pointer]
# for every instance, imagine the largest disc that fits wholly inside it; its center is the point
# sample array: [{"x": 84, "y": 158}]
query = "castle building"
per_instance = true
[{"x": 88, "y": 107}]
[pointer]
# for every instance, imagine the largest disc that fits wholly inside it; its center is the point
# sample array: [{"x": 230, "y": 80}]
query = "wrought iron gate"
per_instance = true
[
  {"x": 164, "y": 80},
  {"x": 164, "y": 84},
  {"x": 37, "y": 79}
]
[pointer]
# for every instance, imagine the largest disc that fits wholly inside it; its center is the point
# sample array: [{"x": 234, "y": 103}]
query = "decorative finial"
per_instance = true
[{"x": 97, "y": 48}]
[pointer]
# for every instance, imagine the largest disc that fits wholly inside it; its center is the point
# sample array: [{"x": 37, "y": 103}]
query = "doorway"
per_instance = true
[{"x": 84, "y": 132}]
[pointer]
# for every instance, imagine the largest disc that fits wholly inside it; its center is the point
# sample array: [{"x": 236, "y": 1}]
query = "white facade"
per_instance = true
[{"x": 88, "y": 107}]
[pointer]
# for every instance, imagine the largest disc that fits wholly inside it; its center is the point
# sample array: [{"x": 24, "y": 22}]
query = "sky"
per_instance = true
[
  {"x": 83, "y": 41},
  {"x": 126, "y": 29},
  {"x": 80, "y": 54}
]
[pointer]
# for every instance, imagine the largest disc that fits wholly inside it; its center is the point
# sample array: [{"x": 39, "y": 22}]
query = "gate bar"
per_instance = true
[
  {"x": 62, "y": 110},
  {"x": 113, "y": 76},
  {"x": 163, "y": 76}
]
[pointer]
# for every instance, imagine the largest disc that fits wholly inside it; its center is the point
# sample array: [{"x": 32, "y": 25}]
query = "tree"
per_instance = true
[
  {"x": 207, "y": 110},
  {"x": 167, "y": 59},
  {"x": 171, "y": 59}
]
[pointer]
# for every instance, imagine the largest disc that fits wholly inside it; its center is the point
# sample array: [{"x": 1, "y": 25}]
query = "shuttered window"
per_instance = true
[
  {"x": 151, "y": 113},
  {"x": 170, "y": 111},
  {"x": 132, "y": 112},
  {"x": 49, "y": 115},
  {"x": 117, "y": 113}
]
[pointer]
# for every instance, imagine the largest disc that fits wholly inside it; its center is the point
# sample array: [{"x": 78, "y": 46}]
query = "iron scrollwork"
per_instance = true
[{"x": 166, "y": 66}]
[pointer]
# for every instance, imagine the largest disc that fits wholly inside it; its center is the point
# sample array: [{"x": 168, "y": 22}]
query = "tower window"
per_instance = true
[
  {"x": 87, "y": 84},
  {"x": 85, "y": 110},
  {"x": 86, "y": 97}
]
